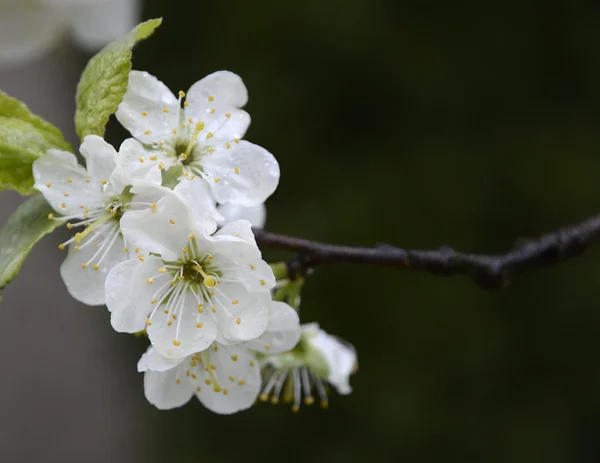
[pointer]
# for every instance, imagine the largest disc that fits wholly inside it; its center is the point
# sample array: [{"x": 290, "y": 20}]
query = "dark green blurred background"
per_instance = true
[{"x": 417, "y": 124}]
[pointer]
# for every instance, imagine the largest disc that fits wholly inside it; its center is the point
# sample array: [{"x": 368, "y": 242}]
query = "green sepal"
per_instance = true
[
  {"x": 104, "y": 81},
  {"x": 28, "y": 224},
  {"x": 23, "y": 138}
]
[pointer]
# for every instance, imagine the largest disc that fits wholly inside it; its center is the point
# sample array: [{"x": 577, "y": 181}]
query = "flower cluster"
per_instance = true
[{"x": 163, "y": 236}]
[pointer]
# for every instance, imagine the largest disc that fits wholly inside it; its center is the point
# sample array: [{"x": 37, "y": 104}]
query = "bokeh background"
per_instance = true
[{"x": 417, "y": 124}]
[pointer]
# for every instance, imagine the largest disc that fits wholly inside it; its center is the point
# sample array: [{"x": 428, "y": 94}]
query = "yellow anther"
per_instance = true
[
  {"x": 213, "y": 367},
  {"x": 252, "y": 267},
  {"x": 61, "y": 247},
  {"x": 227, "y": 145},
  {"x": 228, "y": 115},
  {"x": 210, "y": 281},
  {"x": 295, "y": 408},
  {"x": 241, "y": 382},
  {"x": 199, "y": 308},
  {"x": 210, "y": 149},
  {"x": 137, "y": 250},
  {"x": 213, "y": 310},
  {"x": 148, "y": 322},
  {"x": 212, "y": 293},
  {"x": 153, "y": 158},
  {"x": 231, "y": 378},
  {"x": 234, "y": 358},
  {"x": 88, "y": 180},
  {"x": 161, "y": 165},
  {"x": 147, "y": 132},
  {"x": 162, "y": 270},
  {"x": 198, "y": 388},
  {"x": 217, "y": 388},
  {"x": 192, "y": 177},
  {"x": 208, "y": 382},
  {"x": 150, "y": 281},
  {"x": 235, "y": 302},
  {"x": 172, "y": 282},
  {"x": 174, "y": 316},
  {"x": 267, "y": 346},
  {"x": 187, "y": 372},
  {"x": 141, "y": 159},
  {"x": 153, "y": 207},
  {"x": 177, "y": 381},
  {"x": 66, "y": 195},
  {"x": 95, "y": 267},
  {"x": 48, "y": 185},
  {"x": 263, "y": 282},
  {"x": 309, "y": 400},
  {"x": 83, "y": 265},
  {"x": 217, "y": 180},
  {"x": 63, "y": 205},
  {"x": 96, "y": 244},
  {"x": 236, "y": 140},
  {"x": 194, "y": 376},
  {"x": 125, "y": 249},
  {"x": 251, "y": 363},
  {"x": 211, "y": 98},
  {"x": 70, "y": 180},
  {"x": 76, "y": 248},
  {"x": 215, "y": 348},
  {"x": 171, "y": 221},
  {"x": 190, "y": 120},
  {"x": 212, "y": 110},
  {"x": 209, "y": 135},
  {"x": 181, "y": 93},
  {"x": 263, "y": 398},
  {"x": 176, "y": 342},
  {"x": 198, "y": 325},
  {"x": 185, "y": 174},
  {"x": 153, "y": 301},
  {"x": 165, "y": 110},
  {"x": 144, "y": 113},
  {"x": 186, "y": 104},
  {"x": 274, "y": 400},
  {"x": 169, "y": 323},
  {"x": 51, "y": 216},
  {"x": 141, "y": 258},
  {"x": 324, "y": 404},
  {"x": 104, "y": 182},
  {"x": 185, "y": 250},
  {"x": 236, "y": 170},
  {"x": 174, "y": 131},
  {"x": 209, "y": 257}
]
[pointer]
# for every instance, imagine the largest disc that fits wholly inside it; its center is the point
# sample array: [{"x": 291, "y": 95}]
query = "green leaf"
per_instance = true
[
  {"x": 25, "y": 227},
  {"x": 104, "y": 81},
  {"x": 23, "y": 138}
]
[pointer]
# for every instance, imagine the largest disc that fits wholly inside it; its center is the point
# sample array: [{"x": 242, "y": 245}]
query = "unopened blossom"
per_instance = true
[
  {"x": 318, "y": 359},
  {"x": 225, "y": 378},
  {"x": 189, "y": 288},
  {"x": 201, "y": 134},
  {"x": 92, "y": 199},
  {"x": 29, "y": 28}
]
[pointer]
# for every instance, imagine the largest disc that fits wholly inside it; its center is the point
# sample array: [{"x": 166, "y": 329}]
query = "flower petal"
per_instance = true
[
  {"x": 230, "y": 362},
  {"x": 197, "y": 195},
  {"x": 225, "y": 88},
  {"x": 142, "y": 110},
  {"x": 341, "y": 359},
  {"x": 163, "y": 230},
  {"x": 62, "y": 181},
  {"x": 140, "y": 163},
  {"x": 282, "y": 333},
  {"x": 84, "y": 281},
  {"x": 246, "y": 174},
  {"x": 190, "y": 331},
  {"x": 256, "y": 215},
  {"x": 129, "y": 296},
  {"x": 241, "y": 315},
  {"x": 167, "y": 389},
  {"x": 152, "y": 360},
  {"x": 100, "y": 160}
]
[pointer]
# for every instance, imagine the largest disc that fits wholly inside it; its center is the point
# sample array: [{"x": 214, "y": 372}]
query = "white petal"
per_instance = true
[
  {"x": 152, "y": 360},
  {"x": 197, "y": 195},
  {"x": 128, "y": 294},
  {"x": 100, "y": 159},
  {"x": 241, "y": 315},
  {"x": 192, "y": 330},
  {"x": 147, "y": 95},
  {"x": 95, "y": 24},
  {"x": 88, "y": 284},
  {"x": 256, "y": 215},
  {"x": 163, "y": 231},
  {"x": 282, "y": 333},
  {"x": 341, "y": 359},
  {"x": 140, "y": 163},
  {"x": 233, "y": 396},
  {"x": 240, "y": 229},
  {"x": 57, "y": 173},
  {"x": 225, "y": 87},
  {"x": 167, "y": 389},
  {"x": 246, "y": 174}
]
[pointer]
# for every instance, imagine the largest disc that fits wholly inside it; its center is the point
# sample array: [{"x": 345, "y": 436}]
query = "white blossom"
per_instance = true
[
  {"x": 189, "y": 288},
  {"x": 226, "y": 379},
  {"x": 29, "y": 28},
  {"x": 201, "y": 134},
  {"x": 95, "y": 198},
  {"x": 318, "y": 359}
]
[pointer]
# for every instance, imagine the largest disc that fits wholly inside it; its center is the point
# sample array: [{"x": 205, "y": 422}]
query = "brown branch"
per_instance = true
[{"x": 487, "y": 271}]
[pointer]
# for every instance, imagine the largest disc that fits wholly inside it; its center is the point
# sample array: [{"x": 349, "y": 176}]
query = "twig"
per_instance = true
[{"x": 487, "y": 271}]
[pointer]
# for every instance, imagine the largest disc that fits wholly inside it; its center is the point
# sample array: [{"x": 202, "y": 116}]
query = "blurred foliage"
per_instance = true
[{"x": 416, "y": 124}]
